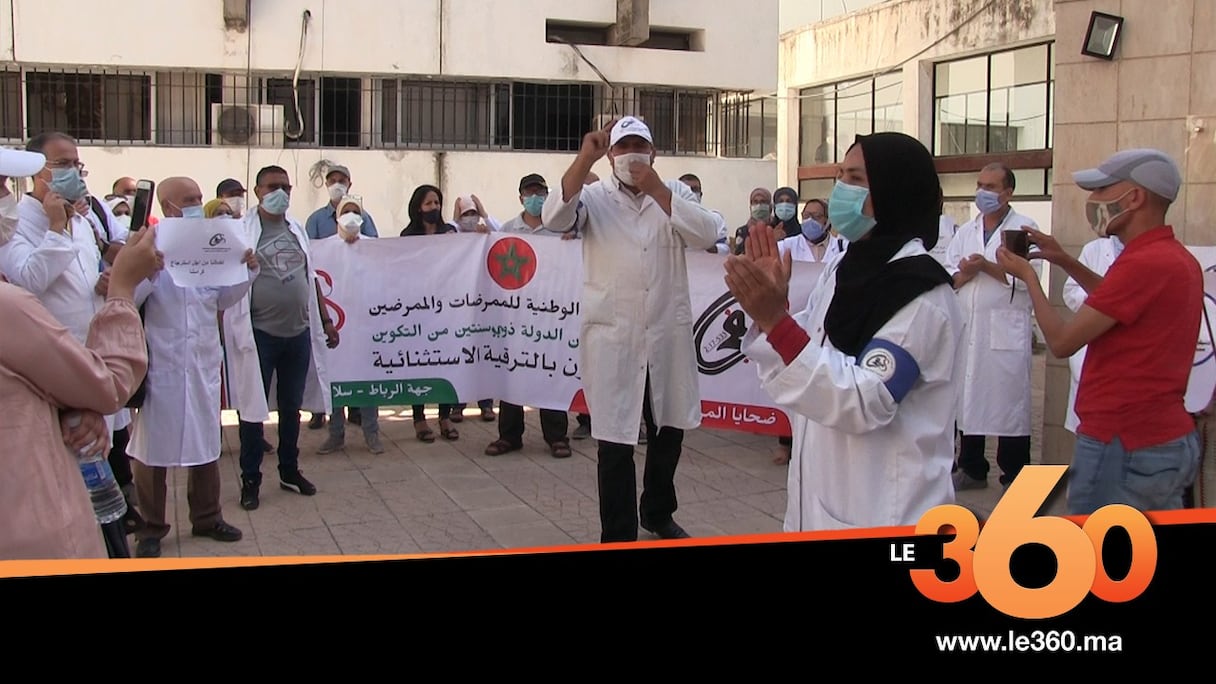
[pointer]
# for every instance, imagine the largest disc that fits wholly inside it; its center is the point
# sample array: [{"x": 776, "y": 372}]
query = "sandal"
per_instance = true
[
  {"x": 560, "y": 449},
  {"x": 425, "y": 433},
  {"x": 449, "y": 433},
  {"x": 501, "y": 447}
]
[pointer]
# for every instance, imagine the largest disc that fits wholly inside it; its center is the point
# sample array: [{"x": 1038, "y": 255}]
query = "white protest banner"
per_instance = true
[
  {"x": 1203, "y": 371},
  {"x": 203, "y": 252},
  {"x": 452, "y": 318}
]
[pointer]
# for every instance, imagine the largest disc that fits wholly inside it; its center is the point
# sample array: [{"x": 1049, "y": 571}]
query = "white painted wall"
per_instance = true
[
  {"x": 473, "y": 38},
  {"x": 504, "y": 39},
  {"x": 797, "y": 14}
]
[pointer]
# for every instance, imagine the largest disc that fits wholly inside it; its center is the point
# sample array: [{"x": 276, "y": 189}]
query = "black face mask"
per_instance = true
[{"x": 431, "y": 216}]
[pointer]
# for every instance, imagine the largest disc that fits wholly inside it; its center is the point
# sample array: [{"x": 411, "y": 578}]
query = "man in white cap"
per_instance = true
[
  {"x": 1136, "y": 443},
  {"x": 637, "y": 353}
]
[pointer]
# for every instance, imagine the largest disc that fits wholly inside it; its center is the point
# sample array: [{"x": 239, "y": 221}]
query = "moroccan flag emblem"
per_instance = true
[{"x": 512, "y": 263}]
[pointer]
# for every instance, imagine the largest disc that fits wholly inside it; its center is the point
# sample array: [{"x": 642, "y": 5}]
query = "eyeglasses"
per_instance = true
[{"x": 65, "y": 163}]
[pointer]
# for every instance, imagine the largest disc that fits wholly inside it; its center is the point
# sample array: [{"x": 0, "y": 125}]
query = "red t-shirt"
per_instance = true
[{"x": 1135, "y": 375}]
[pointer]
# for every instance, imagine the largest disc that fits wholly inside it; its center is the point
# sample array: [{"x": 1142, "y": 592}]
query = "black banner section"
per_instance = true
[{"x": 850, "y": 600}]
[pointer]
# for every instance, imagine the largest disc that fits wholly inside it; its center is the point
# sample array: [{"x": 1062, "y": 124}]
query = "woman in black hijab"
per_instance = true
[
  {"x": 867, "y": 371},
  {"x": 785, "y": 212}
]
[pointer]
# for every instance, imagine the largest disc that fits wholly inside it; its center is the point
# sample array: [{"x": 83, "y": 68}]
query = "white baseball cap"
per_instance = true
[
  {"x": 630, "y": 125},
  {"x": 19, "y": 163}
]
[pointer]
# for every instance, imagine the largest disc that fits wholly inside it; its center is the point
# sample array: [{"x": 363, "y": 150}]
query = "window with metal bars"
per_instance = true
[{"x": 189, "y": 109}]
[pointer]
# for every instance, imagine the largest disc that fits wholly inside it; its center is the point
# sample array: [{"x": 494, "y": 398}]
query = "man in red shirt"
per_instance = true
[{"x": 1136, "y": 444}]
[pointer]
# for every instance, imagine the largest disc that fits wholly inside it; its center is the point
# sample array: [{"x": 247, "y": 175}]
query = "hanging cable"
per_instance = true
[
  {"x": 594, "y": 68},
  {"x": 295, "y": 83}
]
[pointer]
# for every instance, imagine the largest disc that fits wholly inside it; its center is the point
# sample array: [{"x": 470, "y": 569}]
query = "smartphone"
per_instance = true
[
  {"x": 1017, "y": 241},
  {"x": 143, "y": 204}
]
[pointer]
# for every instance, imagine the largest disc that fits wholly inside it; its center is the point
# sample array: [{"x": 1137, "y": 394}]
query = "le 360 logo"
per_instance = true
[{"x": 983, "y": 558}]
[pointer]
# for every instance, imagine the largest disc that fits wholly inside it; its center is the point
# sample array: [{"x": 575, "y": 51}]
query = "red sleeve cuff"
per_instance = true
[{"x": 788, "y": 339}]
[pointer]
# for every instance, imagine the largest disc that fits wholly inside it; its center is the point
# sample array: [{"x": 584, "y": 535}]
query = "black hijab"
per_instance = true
[
  {"x": 792, "y": 225},
  {"x": 906, "y": 194}
]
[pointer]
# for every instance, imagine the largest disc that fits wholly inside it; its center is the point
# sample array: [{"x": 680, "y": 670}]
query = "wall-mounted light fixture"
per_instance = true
[{"x": 1103, "y": 35}]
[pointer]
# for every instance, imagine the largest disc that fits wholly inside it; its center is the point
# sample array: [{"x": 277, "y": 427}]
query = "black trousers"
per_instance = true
[
  {"x": 553, "y": 424},
  {"x": 1012, "y": 453},
  {"x": 120, "y": 462},
  {"x": 619, "y": 511}
]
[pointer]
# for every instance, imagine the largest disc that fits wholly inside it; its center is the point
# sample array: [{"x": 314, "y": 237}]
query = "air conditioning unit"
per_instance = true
[{"x": 247, "y": 125}]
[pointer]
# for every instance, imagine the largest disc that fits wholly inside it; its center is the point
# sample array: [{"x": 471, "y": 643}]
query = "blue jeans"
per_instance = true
[
  {"x": 288, "y": 358},
  {"x": 1150, "y": 479}
]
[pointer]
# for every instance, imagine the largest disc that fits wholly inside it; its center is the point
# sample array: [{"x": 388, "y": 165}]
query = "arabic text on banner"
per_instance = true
[
  {"x": 458, "y": 318},
  {"x": 203, "y": 252}
]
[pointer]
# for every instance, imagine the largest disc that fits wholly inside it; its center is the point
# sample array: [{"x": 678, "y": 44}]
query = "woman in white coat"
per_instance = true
[
  {"x": 248, "y": 395},
  {"x": 178, "y": 425},
  {"x": 1097, "y": 255},
  {"x": 867, "y": 369}
]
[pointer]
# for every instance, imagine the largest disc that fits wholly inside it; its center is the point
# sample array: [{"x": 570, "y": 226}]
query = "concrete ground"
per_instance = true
[{"x": 449, "y": 496}]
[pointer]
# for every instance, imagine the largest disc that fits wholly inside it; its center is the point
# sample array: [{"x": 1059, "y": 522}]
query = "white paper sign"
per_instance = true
[{"x": 203, "y": 252}]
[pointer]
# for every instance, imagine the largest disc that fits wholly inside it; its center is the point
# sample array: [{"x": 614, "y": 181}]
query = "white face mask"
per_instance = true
[
  {"x": 125, "y": 220},
  {"x": 350, "y": 223},
  {"x": 337, "y": 191},
  {"x": 469, "y": 223},
  {"x": 237, "y": 204},
  {"x": 620, "y": 165}
]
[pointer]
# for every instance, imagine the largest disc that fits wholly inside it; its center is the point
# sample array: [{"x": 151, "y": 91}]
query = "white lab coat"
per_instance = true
[
  {"x": 803, "y": 250},
  {"x": 243, "y": 371},
  {"x": 8, "y": 217},
  {"x": 60, "y": 270},
  {"x": 946, "y": 229},
  {"x": 179, "y": 423},
  {"x": 858, "y": 458},
  {"x": 1097, "y": 255},
  {"x": 720, "y": 221},
  {"x": 635, "y": 310},
  {"x": 995, "y": 356}
]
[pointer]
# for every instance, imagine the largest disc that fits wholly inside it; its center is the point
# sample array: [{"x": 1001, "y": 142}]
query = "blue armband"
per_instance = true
[{"x": 893, "y": 365}]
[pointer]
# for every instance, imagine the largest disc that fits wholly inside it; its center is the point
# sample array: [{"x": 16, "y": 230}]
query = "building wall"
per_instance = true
[
  {"x": 797, "y": 14},
  {"x": 1157, "y": 92},
  {"x": 904, "y": 35},
  {"x": 434, "y": 40}
]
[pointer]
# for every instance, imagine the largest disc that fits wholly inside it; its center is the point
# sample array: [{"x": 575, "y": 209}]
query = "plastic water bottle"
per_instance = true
[{"x": 109, "y": 505}]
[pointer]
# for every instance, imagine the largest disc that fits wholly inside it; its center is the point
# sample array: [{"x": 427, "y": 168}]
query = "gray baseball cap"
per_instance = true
[
  {"x": 1151, "y": 169},
  {"x": 338, "y": 168}
]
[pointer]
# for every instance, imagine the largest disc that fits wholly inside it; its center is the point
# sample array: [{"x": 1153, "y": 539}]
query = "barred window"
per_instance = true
[
  {"x": 92, "y": 107},
  {"x": 749, "y": 127},
  {"x": 200, "y": 109}
]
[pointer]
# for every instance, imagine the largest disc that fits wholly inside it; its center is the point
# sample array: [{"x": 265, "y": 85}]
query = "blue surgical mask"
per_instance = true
[
  {"x": 814, "y": 231},
  {"x": 276, "y": 203},
  {"x": 192, "y": 212},
  {"x": 987, "y": 201},
  {"x": 786, "y": 210},
  {"x": 844, "y": 211},
  {"x": 533, "y": 204},
  {"x": 68, "y": 184}
]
